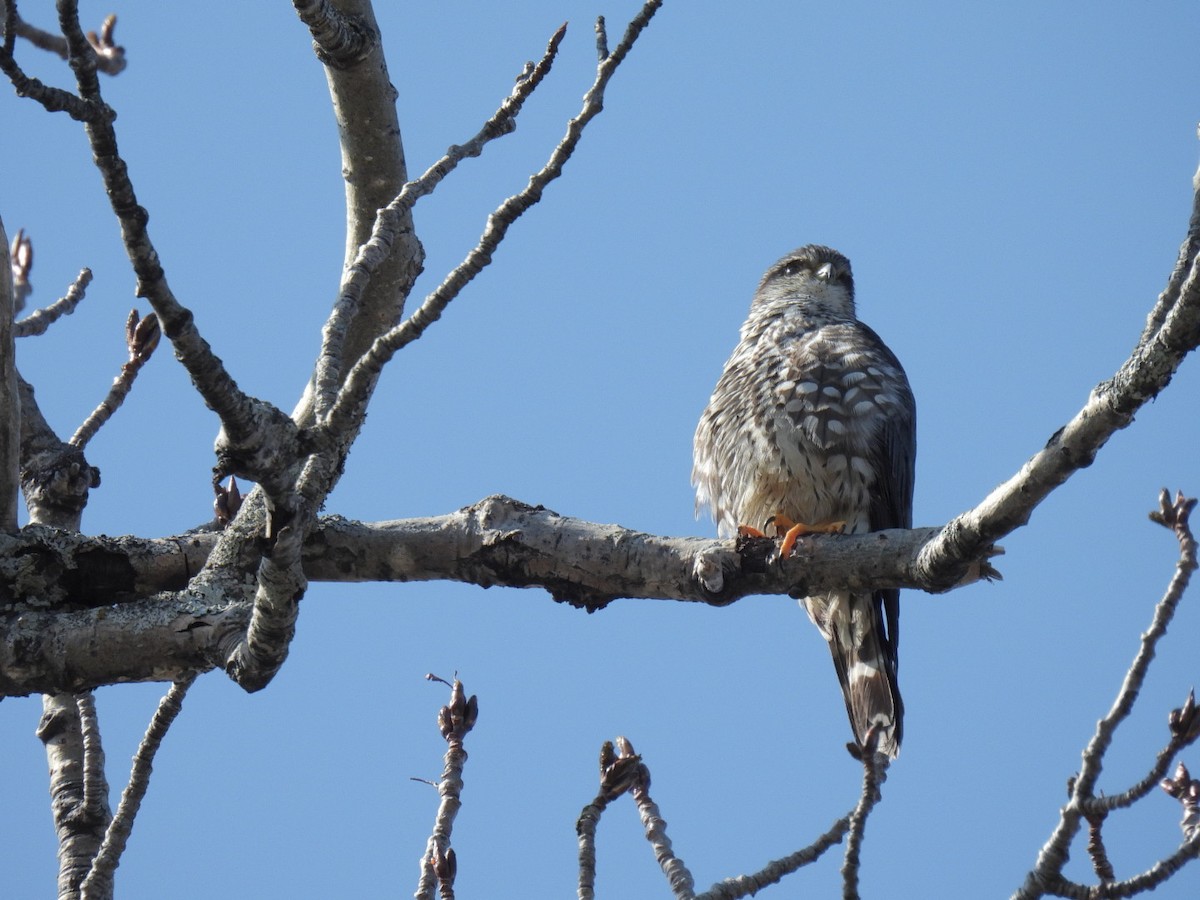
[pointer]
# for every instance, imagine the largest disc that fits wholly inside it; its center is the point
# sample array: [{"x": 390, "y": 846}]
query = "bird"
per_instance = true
[{"x": 812, "y": 427}]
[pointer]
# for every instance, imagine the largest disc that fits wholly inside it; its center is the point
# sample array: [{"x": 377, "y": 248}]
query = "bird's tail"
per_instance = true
[{"x": 866, "y": 666}]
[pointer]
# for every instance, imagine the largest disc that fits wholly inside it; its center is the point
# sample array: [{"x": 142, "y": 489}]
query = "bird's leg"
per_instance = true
[{"x": 793, "y": 531}]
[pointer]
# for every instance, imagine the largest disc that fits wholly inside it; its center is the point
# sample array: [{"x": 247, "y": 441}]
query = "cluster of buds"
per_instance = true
[
  {"x": 445, "y": 864},
  {"x": 1186, "y": 789},
  {"x": 621, "y": 769},
  {"x": 1185, "y": 721},
  {"x": 141, "y": 337},
  {"x": 228, "y": 502},
  {"x": 20, "y": 256},
  {"x": 458, "y": 716},
  {"x": 110, "y": 56}
]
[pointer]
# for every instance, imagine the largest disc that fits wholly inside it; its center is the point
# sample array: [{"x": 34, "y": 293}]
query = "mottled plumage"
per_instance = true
[{"x": 813, "y": 419}]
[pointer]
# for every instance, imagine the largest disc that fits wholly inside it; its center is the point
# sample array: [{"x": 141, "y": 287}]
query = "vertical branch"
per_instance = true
[
  {"x": 351, "y": 402},
  {"x": 80, "y": 829},
  {"x": 10, "y": 404},
  {"x": 99, "y": 881},
  {"x": 439, "y": 864},
  {"x": 95, "y": 787},
  {"x": 875, "y": 766},
  {"x": 346, "y": 39},
  {"x": 678, "y": 877}
]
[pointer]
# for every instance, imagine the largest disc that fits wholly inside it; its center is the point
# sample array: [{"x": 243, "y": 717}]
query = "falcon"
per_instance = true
[{"x": 812, "y": 428}]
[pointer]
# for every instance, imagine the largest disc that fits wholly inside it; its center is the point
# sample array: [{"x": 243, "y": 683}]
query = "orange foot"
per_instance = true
[
  {"x": 749, "y": 531},
  {"x": 793, "y": 531}
]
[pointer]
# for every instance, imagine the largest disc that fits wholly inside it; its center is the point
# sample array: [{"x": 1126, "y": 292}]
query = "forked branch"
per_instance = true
[{"x": 1084, "y": 804}]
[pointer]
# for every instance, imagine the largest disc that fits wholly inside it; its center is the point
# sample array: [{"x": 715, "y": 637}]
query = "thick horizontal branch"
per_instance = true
[
  {"x": 496, "y": 542},
  {"x": 80, "y": 612}
]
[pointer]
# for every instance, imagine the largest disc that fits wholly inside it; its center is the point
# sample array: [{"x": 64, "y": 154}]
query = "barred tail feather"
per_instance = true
[{"x": 868, "y": 678}]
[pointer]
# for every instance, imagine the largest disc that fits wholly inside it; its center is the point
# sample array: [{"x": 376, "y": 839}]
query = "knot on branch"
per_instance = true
[
  {"x": 957, "y": 556},
  {"x": 59, "y": 480},
  {"x": 262, "y": 445},
  {"x": 340, "y": 41},
  {"x": 503, "y": 554}
]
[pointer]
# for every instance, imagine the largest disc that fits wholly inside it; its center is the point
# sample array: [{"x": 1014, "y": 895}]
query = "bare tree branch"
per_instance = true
[
  {"x": 39, "y": 320},
  {"x": 110, "y": 58},
  {"x": 240, "y": 415},
  {"x": 1097, "y": 852},
  {"x": 774, "y": 872},
  {"x": 296, "y": 498},
  {"x": 347, "y": 42},
  {"x": 361, "y": 379},
  {"x": 439, "y": 864},
  {"x": 79, "y": 825},
  {"x": 495, "y": 542},
  {"x": 621, "y": 770},
  {"x": 1174, "y": 332},
  {"x": 678, "y": 877},
  {"x": 10, "y": 401},
  {"x": 141, "y": 337},
  {"x": 99, "y": 880},
  {"x": 95, "y": 787},
  {"x": 396, "y": 216},
  {"x": 1046, "y": 876},
  {"x": 875, "y": 766},
  {"x": 340, "y": 40},
  {"x": 280, "y": 586}
]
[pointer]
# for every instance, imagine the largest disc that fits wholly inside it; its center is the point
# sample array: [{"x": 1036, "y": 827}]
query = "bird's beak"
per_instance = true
[{"x": 825, "y": 273}]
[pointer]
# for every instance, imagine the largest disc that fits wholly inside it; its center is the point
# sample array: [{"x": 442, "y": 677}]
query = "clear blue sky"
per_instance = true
[{"x": 1011, "y": 183}]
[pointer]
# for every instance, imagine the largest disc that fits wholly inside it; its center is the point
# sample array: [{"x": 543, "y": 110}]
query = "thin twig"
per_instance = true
[
  {"x": 354, "y": 394},
  {"x": 51, "y": 99},
  {"x": 1046, "y": 875},
  {"x": 875, "y": 766},
  {"x": 748, "y": 885},
  {"x": 1142, "y": 883},
  {"x": 99, "y": 879},
  {"x": 439, "y": 864},
  {"x": 110, "y": 58},
  {"x": 1106, "y": 803},
  {"x": 208, "y": 373},
  {"x": 39, "y": 320},
  {"x": 372, "y": 254},
  {"x": 683, "y": 886},
  {"x": 141, "y": 337},
  {"x": 1097, "y": 852},
  {"x": 1110, "y": 408}
]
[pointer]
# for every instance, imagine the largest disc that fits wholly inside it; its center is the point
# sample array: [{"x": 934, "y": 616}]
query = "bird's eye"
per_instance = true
[{"x": 793, "y": 268}]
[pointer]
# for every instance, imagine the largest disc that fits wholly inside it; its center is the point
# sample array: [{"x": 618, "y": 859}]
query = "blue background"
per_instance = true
[{"x": 1012, "y": 184}]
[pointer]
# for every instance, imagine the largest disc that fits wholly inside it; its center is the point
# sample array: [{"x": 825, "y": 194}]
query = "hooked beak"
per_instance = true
[{"x": 825, "y": 273}]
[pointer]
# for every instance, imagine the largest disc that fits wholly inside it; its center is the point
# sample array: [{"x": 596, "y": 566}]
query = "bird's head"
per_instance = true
[{"x": 815, "y": 280}]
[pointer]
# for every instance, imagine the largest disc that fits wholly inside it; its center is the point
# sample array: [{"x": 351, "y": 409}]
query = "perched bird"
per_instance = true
[{"x": 813, "y": 425}]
